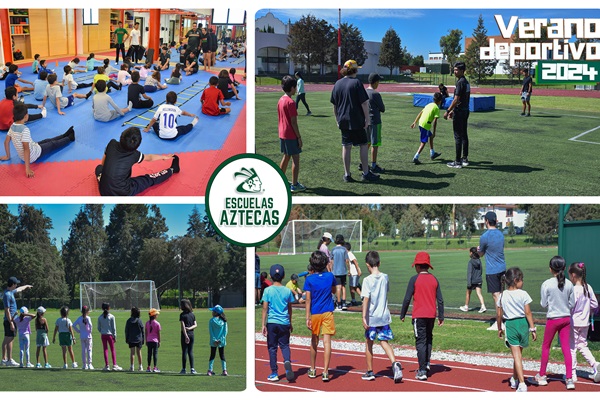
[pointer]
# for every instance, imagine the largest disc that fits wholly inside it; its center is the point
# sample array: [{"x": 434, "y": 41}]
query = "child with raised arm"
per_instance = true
[
  {"x": 164, "y": 121},
  {"x": 55, "y": 96},
  {"x": 212, "y": 98},
  {"x": 66, "y": 336},
  {"x": 277, "y": 322},
  {"x": 424, "y": 289},
  {"x": 83, "y": 326},
  {"x": 513, "y": 307},
  {"x": 355, "y": 274},
  {"x": 41, "y": 340},
  {"x": 134, "y": 337},
  {"x": 23, "y": 322},
  {"x": 319, "y": 287},
  {"x": 557, "y": 295},
  {"x": 153, "y": 329},
  {"x": 114, "y": 173},
  {"x": 474, "y": 280},
  {"x": 585, "y": 303},
  {"x": 187, "y": 319},
  {"x": 376, "y": 317},
  {"x": 289, "y": 133},
  {"x": 217, "y": 330},
  {"x": 28, "y": 150},
  {"x": 108, "y": 331},
  {"x": 427, "y": 119}
]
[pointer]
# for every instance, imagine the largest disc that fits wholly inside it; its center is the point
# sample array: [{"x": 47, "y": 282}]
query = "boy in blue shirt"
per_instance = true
[
  {"x": 427, "y": 119},
  {"x": 277, "y": 322},
  {"x": 319, "y": 310}
]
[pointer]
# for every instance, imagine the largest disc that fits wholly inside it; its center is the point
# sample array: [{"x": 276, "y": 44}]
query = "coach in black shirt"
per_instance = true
[{"x": 459, "y": 112}]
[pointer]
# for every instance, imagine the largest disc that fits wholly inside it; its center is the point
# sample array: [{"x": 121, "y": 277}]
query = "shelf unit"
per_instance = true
[
  {"x": 115, "y": 17},
  {"x": 20, "y": 30}
]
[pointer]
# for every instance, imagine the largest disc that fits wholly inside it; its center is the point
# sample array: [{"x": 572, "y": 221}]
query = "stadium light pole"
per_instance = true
[{"x": 339, "y": 43}]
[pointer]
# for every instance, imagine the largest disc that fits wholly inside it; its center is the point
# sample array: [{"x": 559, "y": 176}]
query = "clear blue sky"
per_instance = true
[
  {"x": 176, "y": 215},
  {"x": 420, "y": 30}
]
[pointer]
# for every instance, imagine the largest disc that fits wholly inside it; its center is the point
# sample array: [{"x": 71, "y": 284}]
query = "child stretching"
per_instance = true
[
  {"x": 474, "y": 280},
  {"x": 277, "y": 322},
  {"x": 425, "y": 291},
  {"x": 153, "y": 338},
  {"x": 101, "y": 102},
  {"x": 175, "y": 78},
  {"x": 41, "y": 340},
  {"x": 558, "y": 297},
  {"x": 217, "y": 329},
  {"x": 90, "y": 63},
  {"x": 14, "y": 77},
  {"x": 69, "y": 81},
  {"x": 56, "y": 98},
  {"x": 319, "y": 287},
  {"x": 355, "y": 274},
  {"x": 289, "y": 133},
  {"x": 164, "y": 121},
  {"x": 585, "y": 302},
  {"x": 211, "y": 99},
  {"x": 427, "y": 119},
  {"x": 74, "y": 64},
  {"x": 134, "y": 337},
  {"x": 513, "y": 307},
  {"x": 102, "y": 76},
  {"x": 66, "y": 337},
  {"x": 83, "y": 326},
  {"x": 188, "y": 323},
  {"x": 123, "y": 77},
  {"x": 108, "y": 331},
  {"x": 376, "y": 317},
  {"x": 23, "y": 327},
  {"x": 152, "y": 83}
]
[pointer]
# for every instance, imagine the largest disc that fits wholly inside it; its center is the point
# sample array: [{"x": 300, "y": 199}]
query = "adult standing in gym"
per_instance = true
[
  {"x": 526, "y": 93},
  {"x": 119, "y": 36},
  {"x": 491, "y": 245},
  {"x": 134, "y": 42},
  {"x": 193, "y": 40},
  {"x": 459, "y": 112},
  {"x": 10, "y": 313}
]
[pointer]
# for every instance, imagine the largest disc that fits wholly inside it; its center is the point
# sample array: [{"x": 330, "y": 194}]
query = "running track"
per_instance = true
[{"x": 347, "y": 367}]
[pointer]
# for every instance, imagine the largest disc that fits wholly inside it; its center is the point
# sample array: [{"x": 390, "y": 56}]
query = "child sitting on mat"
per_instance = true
[
  {"x": 56, "y": 98},
  {"x": 101, "y": 102},
  {"x": 153, "y": 84},
  {"x": 164, "y": 121},
  {"x": 212, "y": 97}
]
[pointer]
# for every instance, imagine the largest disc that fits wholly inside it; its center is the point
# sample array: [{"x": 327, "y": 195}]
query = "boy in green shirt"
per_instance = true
[
  {"x": 119, "y": 36},
  {"x": 427, "y": 118}
]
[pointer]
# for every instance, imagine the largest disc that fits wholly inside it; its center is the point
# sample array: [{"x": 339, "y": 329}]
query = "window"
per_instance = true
[{"x": 90, "y": 16}]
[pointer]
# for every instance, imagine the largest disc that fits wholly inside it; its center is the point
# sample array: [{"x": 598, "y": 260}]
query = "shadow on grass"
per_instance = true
[
  {"x": 546, "y": 116},
  {"x": 489, "y": 165}
]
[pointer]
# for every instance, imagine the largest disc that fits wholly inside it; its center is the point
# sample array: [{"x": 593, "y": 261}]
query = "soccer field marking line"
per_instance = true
[
  {"x": 286, "y": 386},
  {"x": 574, "y": 138},
  {"x": 404, "y": 379}
]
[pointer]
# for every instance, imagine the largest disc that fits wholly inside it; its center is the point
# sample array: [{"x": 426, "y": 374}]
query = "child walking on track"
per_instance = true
[
  {"x": 66, "y": 336},
  {"x": 83, "y": 326},
  {"x": 585, "y": 302},
  {"x": 217, "y": 327},
  {"x": 474, "y": 280},
  {"x": 108, "y": 331},
  {"x": 319, "y": 287},
  {"x": 188, "y": 324},
  {"x": 277, "y": 322},
  {"x": 153, "y": 338},
  {"x": 41, "y": 341},
  {"x": 425, "y": 289},
  {"x": 134, "y": 337},
  {"x": 376, "y": 317},
  {"x": 513, "y": 306},
  {"x": 558, "y": 297}
]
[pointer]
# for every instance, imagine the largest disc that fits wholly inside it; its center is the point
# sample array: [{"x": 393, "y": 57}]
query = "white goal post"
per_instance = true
[
  {"x": 301, "y": 236},
  {"x": 121, "y": 295}
]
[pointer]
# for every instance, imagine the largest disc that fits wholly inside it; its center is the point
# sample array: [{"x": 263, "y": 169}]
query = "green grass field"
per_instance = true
[
  {"x": 450, "y": 268},
  {"x": 510, "y": 155},
  {"x": 169, "y": 360}
]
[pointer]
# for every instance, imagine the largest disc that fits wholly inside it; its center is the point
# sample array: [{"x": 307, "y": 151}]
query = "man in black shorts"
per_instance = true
[
  {"x": 10, "y": 313},
  {"x": 351, "y": 108},
  {"x": 491, "y": 245},
  {"x": 526, "y": 93},
  {"x": 459, "y": 112}
]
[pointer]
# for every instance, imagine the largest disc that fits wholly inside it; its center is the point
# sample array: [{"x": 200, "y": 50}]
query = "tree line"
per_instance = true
[{"x": 133, "y": 245}]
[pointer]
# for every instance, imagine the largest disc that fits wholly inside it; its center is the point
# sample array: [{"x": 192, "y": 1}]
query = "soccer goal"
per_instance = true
[
  {"x": 302, "y": 236},
  {"x": 121, "y": 295}
]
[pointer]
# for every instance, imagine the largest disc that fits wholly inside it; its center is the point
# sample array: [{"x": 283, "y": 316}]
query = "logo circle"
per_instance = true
[{"x": 248, "y": 200}]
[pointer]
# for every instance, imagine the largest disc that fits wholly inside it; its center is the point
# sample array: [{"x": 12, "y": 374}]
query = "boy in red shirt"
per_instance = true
[
  {"x": 289, "y": 133},
  {"x": 425, "y": 289},
  {"x": 212, "y": 97}
]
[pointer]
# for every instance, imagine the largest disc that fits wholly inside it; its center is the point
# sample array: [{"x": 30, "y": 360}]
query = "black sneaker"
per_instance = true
[
  {"x": 368, "y": 376},
  {"x": 435, "y": 155},
  {"x": 528, "y": 115},
  {"x": 522, "y": 114},
  {"x": 370, "y": 177},
  {"x": 377, "y": 169},
  {"x": 348, "y": 178},
  {"x": 465, "y": 162},
  {"x": 416, "y": 161},
  {"x": 421, "y": 375},
  {"x": 344, "y": 306},
  {"x": 455, "y": 164}
]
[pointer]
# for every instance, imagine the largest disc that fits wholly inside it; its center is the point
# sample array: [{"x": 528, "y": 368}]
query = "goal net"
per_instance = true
[
  {"x": 121, "y": 295},
  {"x": 302, "y": 235}
]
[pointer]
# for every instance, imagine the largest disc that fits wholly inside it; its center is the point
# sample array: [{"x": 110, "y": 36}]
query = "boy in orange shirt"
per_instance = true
[{"x": 212, "y": 97}]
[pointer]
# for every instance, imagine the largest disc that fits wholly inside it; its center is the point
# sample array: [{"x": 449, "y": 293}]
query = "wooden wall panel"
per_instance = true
[
  {"x": 57, "y": 31},
  {"x": 71, "y": 46},
  {"x": 38, "y": 21}
]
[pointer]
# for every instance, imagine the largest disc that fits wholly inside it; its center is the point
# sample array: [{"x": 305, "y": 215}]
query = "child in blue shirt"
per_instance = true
[
  {"x": 217, "y": 327},
  {"x": 277, "y": 322}
]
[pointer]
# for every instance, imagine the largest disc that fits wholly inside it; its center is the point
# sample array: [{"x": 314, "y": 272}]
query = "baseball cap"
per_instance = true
[
  {"x": 491, "y": 216},
  {"x": 218, "y": 309},
  {"x": 23, "y": 310},
  {"x": 294, "y": 277},
  {"x": 374, "y": 77},
  {"x": 328, "y": 236},
  {"x": 153, "y": 312},
  {"x": 13, "y": 281},
  {"x": 422, "y": 258},
  {"x": 41, "y": 310},
  {"x": 351, "y": 64},
  {"x": 277, "y": 271}
]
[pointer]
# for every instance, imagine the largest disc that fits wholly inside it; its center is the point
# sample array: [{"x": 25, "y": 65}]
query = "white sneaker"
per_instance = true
[
  {"x": 570, "y": 384},
  {"x": 65, "y": 366},
  {"x": 573, "y": 378},
  {"x": 464, "y": 308},
  {"x": 513, "y": 382},
  {"x": 29, "y": 365},
  {"x": 141, "y": 369},
  {"x": 522, "y": 387},
  {"x": 4, "y": 363},
  {"x": 596, "y": 375},
  {"x": 11, "y": 363},
  {"x": 90, "y": 367},
  {"x": 44, "y": 112},
  {"x": 75, "y": 365},
  {"x": 482, "y": 309},
  {"x": 539, "y": 380},
  {"x": 494, "y": 327},
  {"x": 130, "y": 105},
  {"x": 106, "y": 368},
  {"x": 131, "y": 369},
  {"x": 117, "y": 368}
]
